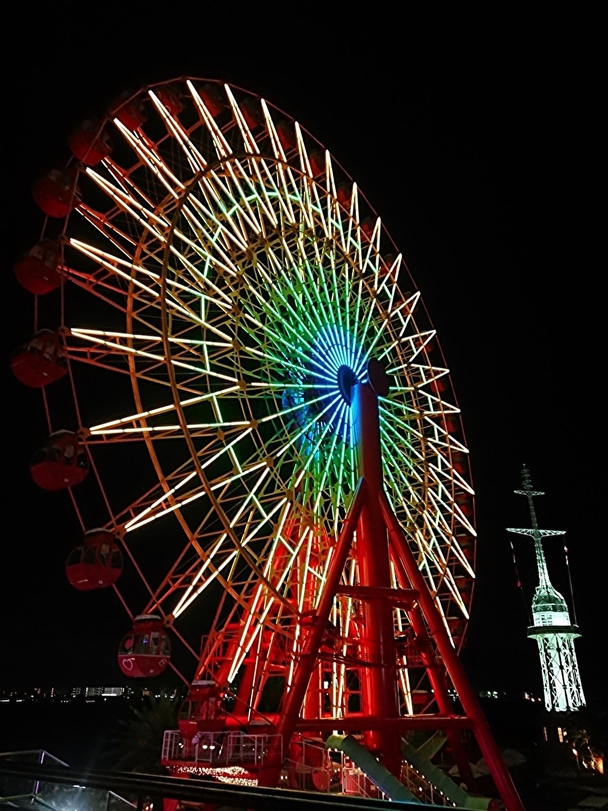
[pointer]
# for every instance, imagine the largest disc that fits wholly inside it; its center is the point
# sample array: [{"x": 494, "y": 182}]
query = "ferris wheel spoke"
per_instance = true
[
  {"x": 242, "y": 550},
  {"x": 312, "y": 202},
  {"x": 117, "y": 267},
  {"x": 143, "y": 216},
  {"x": 275, "y": 176},
  {"x": 249, "y": 142},
  {"x": 448, "y": 477},
  {"x": 395, "y": 495},
  {"x": 304, "y": 431},
  {"x": 413, "y": 343},
  {"x": 333, "y": 215},
  {"x": 355, "y": 325},
  {"x": 404, "y": 490},
  {"x": 421, "y": 375},
  {"x": 116, "y": 177},
  {"x": 371, "y": 260},
  {"x": 212, "y": 248},
  {"x": 299, "y": 321},
  {"x": 275, "y": 141},
  {"x": 380, "y": 330},
  {"x": 294, "y": 341},
  {"x": 427, "y": 410},
  {"x": 228, "y": 231},
  {"x": 299, "y": 193},
  {"x": 309, "y": 287},
  {"x": 110, "y": 233},
  {"x": 210, "y": 203},
  {"x": 251, "y": 195},
  {"x": 167, "y": 502},
  {"x": 352, "y": 222},
  {"x": 324, "y": 204},
  {"x": 390, "y": 280},
  {"x": 222, "y": 147},
  {"x": 149, "y": 156},
  {"x": 290, "y": 410},
  {"x": 195, "y": 159},
  {"x": 210, "y": 242},
  {"x": 328, "y": 466},
  {"x": 403, "y": 430},
  {"x": 404, "y": 314},
  {"x": 114, "y": 348},
  {"x": 439, "y": 571}
]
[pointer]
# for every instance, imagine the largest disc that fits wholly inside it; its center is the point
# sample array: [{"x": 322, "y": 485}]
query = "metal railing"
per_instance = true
[
  {"x": 193, "y": 790},
  {"x": 216, "y": 748}
]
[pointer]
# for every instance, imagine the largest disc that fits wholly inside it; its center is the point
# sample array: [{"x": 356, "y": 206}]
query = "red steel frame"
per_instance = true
[{"x": 381, "y": 723}]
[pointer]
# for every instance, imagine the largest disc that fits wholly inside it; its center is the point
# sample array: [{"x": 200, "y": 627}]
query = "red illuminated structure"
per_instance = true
[
  {"x": 379, "y": 723},
  {"x": 237, "y": 339}
]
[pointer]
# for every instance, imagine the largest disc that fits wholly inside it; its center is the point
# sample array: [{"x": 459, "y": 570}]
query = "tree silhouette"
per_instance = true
[{"x": 136, "y": 743}]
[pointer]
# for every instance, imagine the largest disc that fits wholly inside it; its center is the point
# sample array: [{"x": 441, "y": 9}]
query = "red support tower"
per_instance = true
[{"x": 379, "y": 725}]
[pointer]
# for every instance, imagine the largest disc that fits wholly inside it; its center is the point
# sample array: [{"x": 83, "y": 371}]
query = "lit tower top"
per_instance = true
[{"x": 552, "y": 629}]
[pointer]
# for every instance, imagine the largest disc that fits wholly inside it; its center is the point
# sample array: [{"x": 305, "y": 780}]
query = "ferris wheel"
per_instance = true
[{"x": 210, "y": 285}]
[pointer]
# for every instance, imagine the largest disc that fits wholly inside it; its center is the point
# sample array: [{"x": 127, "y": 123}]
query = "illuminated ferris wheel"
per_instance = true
[{"x": 211, "y": 286}]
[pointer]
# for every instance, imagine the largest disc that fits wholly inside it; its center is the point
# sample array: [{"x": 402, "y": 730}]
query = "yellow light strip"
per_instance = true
[
  {"x": 161, "y": 409},
  {"x": 193, "y": 156},
  {"x": 160, "y": 358},
  {"x": 248, "y": 139},
  {"x": 152, "y": 160},
  {"x": 82, "y": 332},
  {"x": 222, "y": 146}
]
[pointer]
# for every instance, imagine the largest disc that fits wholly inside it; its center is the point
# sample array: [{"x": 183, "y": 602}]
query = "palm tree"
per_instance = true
[{"x": 136, "y": 744}]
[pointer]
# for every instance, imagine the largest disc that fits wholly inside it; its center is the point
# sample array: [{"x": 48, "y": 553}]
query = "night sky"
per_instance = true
[{"x": 482, "y": 155}]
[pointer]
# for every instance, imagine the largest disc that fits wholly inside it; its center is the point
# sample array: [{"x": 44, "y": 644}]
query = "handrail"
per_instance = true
[{"x": 198, "y": 790}]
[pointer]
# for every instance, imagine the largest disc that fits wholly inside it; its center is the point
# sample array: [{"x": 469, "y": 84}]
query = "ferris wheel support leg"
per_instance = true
[
  {"x": 466, "y": 695},
  {"x": 380, "y": 680},
  {"x": 437, "y": 681},
  {"x": 271, "y": 770},
  {"x": 439, "y": 686}
]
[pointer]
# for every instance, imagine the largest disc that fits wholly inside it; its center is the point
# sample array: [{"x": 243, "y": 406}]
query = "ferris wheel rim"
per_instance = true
[{"x": 208, "y": 485}]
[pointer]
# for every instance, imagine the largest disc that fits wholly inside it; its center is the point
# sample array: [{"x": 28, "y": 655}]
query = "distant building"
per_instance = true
[{"x": 108, "y": 692}]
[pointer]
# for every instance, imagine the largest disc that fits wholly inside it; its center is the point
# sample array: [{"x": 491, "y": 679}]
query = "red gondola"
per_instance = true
[
  {"x": 367, "y": 226},
  {"x": 62, "y": 463},
  {"x": 251, "y": 114},
  {"x": 452, "y": 425},
  {"x": 42, "y": 360},
  {"x": 171, "y": 99},
  {"x": 286, "y": 134},
  {"x": 129, "y": 111},
  {"x": 212, "y": 98},
  {"x": 90, "y": 143},
  {"x": 57, "y": 193},
  {"x": 40, "y": 271},
  {"x": 438, "y": 385},
  {"x": 97, "y": 563},
  {"x": 465, "y": 502},
  {"x": 344, "y": 194},
  {"x": 317, "y": 163},
  {"x": 459, "y": 462},
  {"x": 146, "y": 650}
]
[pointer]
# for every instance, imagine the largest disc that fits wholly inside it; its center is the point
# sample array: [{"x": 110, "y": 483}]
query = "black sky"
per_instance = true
[{"x": 478, "y": 143}]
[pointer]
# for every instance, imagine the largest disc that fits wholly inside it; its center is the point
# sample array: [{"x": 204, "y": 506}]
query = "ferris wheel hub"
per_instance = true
[
  {"x": 346, "y": 380},
  {"x": 378, "y": 378}
]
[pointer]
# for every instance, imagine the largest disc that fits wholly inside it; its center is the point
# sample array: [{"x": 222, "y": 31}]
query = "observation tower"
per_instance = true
[{"x": 551, "y": 626}]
